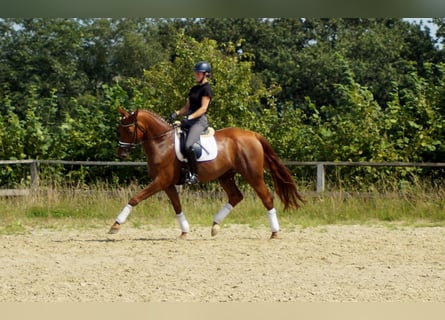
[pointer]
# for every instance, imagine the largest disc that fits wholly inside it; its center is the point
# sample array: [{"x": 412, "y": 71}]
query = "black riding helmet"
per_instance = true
[{"x": 203, "y": 66}]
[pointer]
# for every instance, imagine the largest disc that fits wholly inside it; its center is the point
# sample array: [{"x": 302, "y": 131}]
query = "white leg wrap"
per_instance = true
[
  {"x": 220, "y": 216},
  {"x": 183, "y": 224},
  {"x": 122, "y": 217},
  {"x": 273, "y": 220}
]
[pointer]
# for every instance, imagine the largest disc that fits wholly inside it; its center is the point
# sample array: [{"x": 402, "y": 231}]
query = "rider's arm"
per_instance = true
[{"x": 205, "y": 101}]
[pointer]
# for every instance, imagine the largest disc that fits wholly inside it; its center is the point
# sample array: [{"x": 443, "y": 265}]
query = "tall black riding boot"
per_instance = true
[{"x": 192, "y": 177}]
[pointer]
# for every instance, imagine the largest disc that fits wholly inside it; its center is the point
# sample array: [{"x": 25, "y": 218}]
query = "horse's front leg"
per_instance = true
[
  {"x": 148, "y": 191},
  {"x": 172, "y": 194}
]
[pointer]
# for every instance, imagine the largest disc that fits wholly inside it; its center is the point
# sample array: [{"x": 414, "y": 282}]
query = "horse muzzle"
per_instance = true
[
  {"x": 125, "y": 149},
  {"x": 123, "y": 153}
]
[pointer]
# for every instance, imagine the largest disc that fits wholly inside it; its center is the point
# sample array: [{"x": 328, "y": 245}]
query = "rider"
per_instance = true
[{"x": 195, "y": 111}]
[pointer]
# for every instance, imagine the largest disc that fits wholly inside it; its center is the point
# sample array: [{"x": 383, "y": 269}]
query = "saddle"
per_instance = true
[{"x": 205, "y": 149}]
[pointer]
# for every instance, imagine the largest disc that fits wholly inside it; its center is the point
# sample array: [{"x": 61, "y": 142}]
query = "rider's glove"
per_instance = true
[{"x": 185, "y": 123}]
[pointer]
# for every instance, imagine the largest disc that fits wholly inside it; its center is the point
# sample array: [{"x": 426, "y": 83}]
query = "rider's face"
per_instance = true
[{"x": 199, "y": 76}]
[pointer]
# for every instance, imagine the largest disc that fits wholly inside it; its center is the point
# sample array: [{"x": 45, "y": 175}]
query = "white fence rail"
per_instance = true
[{"x": 320, "y": 166}]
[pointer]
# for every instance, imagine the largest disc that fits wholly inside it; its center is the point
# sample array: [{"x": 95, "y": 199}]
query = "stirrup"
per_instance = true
[{"x": 192, "y": 178}]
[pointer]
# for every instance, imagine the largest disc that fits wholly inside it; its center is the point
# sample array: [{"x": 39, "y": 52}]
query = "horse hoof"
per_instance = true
[
  {"x": 215, "y": 229},
  {"x": 114, "y": 228},
  {"x": 274, "y": 235},
  {"x": 183, "y": 235}
]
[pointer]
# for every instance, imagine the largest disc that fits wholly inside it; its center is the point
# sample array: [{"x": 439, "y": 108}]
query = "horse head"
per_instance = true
[{"x": 131, "y": 133}]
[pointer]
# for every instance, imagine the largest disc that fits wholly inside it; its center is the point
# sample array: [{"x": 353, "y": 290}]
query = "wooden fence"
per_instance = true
[{"x": 320, "y": 166}]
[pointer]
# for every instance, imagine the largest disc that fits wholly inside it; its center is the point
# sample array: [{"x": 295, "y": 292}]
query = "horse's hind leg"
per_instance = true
[
  {"x": 258, "y": 184},
  {"x": 227, "y": 182}
]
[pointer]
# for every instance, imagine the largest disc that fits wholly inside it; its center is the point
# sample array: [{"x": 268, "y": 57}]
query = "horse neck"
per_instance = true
[
  {"x": 156, "y": 143},
  {"x": 153, "y": 125}
]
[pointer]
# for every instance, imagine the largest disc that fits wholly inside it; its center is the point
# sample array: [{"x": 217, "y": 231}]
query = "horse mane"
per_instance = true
[{"x": 155, "y": 115}]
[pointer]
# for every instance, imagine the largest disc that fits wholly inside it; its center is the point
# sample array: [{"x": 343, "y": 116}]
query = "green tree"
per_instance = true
[
  {"x": 43, "y": 53},
  {"x": 239, "y": 96},
  {"x": 318, "y": 89}
]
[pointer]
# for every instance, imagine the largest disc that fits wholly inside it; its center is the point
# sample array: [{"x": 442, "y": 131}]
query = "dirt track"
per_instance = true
[{"x": 334, "y": 263}]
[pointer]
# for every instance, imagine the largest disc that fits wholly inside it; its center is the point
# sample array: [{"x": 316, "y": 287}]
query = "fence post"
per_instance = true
[
  {"x": 320, "y": 177},
  {"x": 34, "y": 176}
]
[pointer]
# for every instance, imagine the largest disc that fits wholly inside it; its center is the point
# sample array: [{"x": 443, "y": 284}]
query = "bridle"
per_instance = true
[{"x": 135, "y": 142}]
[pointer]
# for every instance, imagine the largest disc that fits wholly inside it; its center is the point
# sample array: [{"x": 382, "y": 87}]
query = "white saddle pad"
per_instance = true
[{"x": 208, "y": 143}]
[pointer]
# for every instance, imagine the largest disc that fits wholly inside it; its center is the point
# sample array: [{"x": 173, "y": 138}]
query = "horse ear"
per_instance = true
[{"x": 123, "y": 112}]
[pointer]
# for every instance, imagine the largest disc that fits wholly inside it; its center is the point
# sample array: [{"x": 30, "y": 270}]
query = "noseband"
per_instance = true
[{"x": 135, "y": 143}]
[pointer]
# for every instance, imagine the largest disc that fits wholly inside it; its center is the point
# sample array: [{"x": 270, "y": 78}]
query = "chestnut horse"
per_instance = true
[{"x": 239, "y": 151}]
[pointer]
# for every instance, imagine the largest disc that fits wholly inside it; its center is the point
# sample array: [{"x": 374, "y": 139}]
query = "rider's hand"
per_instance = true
[{"x": 185, "y": 123}]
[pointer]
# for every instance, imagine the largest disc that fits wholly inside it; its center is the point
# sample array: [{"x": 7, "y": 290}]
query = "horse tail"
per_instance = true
[{"x": 283, "y": 182}]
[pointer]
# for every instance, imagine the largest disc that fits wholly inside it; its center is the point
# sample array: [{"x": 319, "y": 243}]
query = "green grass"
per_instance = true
[{"x": 99, "y": 206}]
